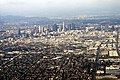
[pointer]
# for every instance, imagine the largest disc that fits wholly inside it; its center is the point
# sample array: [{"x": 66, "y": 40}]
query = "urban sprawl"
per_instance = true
[{"x": 71, "y": 48}]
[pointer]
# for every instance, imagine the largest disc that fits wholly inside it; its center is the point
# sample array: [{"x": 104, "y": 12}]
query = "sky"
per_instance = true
[{"x": 45, "y": 8}]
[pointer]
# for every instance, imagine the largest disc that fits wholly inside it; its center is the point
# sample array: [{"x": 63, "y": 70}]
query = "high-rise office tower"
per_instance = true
[
  {"x": 54, "y": 27},
  {"x": 39, "y": 29},
  {"x": 60, "y": 28},
  {"x": 63, "y": 26},
  {"x": 73, "y": 26},
  {"x": 19, "y": 33},
  {"x": 113, "y": 28}
]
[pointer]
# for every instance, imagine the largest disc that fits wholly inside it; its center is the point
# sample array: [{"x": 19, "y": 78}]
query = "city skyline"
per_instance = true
[{"x": 47, "y": 8}]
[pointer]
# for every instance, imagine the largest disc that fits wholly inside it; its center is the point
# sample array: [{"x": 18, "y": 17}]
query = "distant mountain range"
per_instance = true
[
  {"x": 21, "y": 19},
  {"x": 93, "y": 19}
]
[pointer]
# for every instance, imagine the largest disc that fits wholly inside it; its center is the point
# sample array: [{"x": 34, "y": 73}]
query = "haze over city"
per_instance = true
[
  {"x": 59, "y": 40},
  {"x": 46, "y": 8}
]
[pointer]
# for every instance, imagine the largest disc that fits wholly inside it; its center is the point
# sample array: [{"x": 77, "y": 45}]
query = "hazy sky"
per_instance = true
[{"x": 57, "y": 7}]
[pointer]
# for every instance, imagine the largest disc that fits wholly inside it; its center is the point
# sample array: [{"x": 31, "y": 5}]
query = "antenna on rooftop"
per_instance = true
[{"x": 117, "y": 42}]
